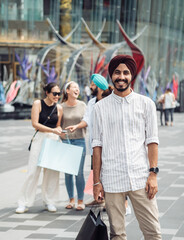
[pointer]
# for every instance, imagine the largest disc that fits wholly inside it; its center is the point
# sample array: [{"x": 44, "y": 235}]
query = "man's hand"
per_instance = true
[
  {"x": 72, "y": 128},
  {"x": 151, "y": 185},
  {"x": 98, "y": 192}
]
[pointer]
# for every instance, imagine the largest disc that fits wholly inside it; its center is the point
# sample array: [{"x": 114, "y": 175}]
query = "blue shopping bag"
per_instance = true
[{"x": 60, "y": 156}]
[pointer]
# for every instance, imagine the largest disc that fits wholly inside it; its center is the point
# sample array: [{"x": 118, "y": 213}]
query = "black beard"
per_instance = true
[
  {"x": 121, "y": 89},
  {"x": 94, "y": 92}
]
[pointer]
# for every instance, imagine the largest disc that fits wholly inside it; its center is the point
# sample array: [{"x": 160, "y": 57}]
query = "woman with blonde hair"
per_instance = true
[{"x": 73, "y": 112}]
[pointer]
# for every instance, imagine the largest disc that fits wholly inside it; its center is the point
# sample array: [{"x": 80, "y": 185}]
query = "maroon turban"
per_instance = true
[{"x": 127, "y": 60}]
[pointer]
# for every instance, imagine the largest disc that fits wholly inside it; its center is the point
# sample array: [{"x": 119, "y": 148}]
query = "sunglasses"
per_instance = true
[{"x": 56, "y": 94}]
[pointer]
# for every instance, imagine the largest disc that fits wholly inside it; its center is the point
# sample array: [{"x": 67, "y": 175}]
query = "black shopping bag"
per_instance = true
[{"x": 93, "y": 228}]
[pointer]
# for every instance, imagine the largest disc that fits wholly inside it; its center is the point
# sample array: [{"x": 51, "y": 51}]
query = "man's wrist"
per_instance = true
[
  {"x": 154, "y": 170},
  {"x": 97, "y": 183},
  {"x": 152, "y": 174}
]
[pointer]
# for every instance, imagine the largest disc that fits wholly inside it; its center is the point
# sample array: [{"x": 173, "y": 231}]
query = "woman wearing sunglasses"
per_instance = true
[
  {"x": 46, "y": 119},
  {"x": 73, "y": 112}
]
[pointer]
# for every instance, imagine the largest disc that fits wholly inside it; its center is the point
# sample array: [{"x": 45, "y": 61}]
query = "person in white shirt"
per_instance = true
[
  {"x": 87, "y": 92},
  {"x": 169, "y": 104},
  {"x": 125, "y": 152}
]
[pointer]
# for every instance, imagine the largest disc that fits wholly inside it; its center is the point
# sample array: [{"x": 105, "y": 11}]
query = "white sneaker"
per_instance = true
[
  {"x": 51, "y": 208},
  {"x": 128, "y": 211},
  {"x": 21, "y": 209}
]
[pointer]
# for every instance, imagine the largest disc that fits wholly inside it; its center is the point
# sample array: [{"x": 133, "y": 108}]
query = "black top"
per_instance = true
[{"x": 45, "y": 112}]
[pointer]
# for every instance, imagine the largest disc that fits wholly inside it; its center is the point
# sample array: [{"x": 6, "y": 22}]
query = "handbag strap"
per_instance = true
[{"x": 50, "y": 115}]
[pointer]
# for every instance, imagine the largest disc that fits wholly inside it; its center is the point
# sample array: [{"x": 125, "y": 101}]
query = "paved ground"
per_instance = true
[{"x": 65, "y": 224}]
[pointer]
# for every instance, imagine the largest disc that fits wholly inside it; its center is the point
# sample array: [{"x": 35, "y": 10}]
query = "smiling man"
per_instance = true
[{"x": 125, "y": 152}]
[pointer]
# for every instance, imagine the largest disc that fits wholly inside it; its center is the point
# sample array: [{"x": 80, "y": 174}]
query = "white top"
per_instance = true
[
  {"x": 88, "y": 119},
  {"x": 169, "y": 100},
  {"x": 87, "y": 90},
  {"x": 123, "y": 126}
]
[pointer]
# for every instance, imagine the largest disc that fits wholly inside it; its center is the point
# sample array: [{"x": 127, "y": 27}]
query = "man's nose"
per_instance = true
[{"x": 122, "y": 76}]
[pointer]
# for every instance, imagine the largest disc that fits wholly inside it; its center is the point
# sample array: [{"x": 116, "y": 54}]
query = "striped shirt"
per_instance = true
[{"x": 123, "y": 127}]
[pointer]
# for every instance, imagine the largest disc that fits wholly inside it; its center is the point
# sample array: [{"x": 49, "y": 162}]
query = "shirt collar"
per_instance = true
[{"x": 128, "y": 98}]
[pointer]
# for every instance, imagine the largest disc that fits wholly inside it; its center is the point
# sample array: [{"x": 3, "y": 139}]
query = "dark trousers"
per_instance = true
[
  {"x": 168, "y": 112},
  {"x": 162, "y": 112}
]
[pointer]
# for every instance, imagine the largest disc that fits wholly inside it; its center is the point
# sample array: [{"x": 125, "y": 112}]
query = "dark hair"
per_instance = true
[
  {"x": 168, "y": 90},
  {"x": 48, "y": 87},
  {"x": 108, "y": 91}
]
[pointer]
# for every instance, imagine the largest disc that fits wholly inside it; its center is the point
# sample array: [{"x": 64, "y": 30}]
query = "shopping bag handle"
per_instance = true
[{"x": 68, "y": 138}]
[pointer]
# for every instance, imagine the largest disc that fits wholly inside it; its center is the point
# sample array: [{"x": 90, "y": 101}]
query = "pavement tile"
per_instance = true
[
  {"x": 9, "y": 224},
  {"x": 66, "y": 235},
  {"x": 177, "y": 238},
  {"x": 14, "y": 219},
  {"x": 36, "y": 223},
  {"x": 75, "y": 227},
  {"x": 24, "y": 216},
  {"x": 68, "y": 217},
  {"x": 164, "y": 204},
  {"x": 4, "y": 229},
  {"x": 45, "y": 217},
  {"x": 15, "y": 234},
  {"x": 27, "y": 227},
  {"x": 177, "y": 172},
  {"x": 132, "y": 230},
  {"x": 169, "y": 223},
  {"x": 165, "y": 198},
  {"x": 180, "y": 232},
  {"x": 61, "y": 238},
  {"x": 40, "y": 236},
  {"x": 167, "y": 237},
  {"x": 60, "y": 224},
  {"x": 50, "y": 231},
  {"x": 173, "y": 192},
  {"x": 169, "y": 231},
  {"x": 177, "y": 185}
]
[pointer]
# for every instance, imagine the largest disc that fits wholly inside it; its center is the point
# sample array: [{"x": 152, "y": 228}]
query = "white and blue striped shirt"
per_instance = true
[{"x": 123, "y": 127}]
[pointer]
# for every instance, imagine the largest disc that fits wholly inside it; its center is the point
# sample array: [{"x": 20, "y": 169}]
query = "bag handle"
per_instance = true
[{"x": 68, "y": 138}]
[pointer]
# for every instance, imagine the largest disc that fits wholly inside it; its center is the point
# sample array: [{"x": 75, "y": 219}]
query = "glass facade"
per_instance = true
[{"x": 23, "y": 26}]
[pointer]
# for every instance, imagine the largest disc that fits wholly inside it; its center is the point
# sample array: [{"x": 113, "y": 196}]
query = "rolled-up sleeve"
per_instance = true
[
  {"x": 151, "y": 124},
  {"x": 97, "y": 127},
  {"x": 86, "y": 116}
]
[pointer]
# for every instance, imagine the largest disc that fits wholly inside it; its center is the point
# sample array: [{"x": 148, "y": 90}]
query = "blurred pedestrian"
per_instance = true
[
  {"x": 46, "y": 119},
  {"x": 87, "y": 92},
  {"x": 162, "y": 109},
  {"x": 169, "y": 103},
  {"x": 73, "y": 112},
  {"x": 124, "y": 123}
]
